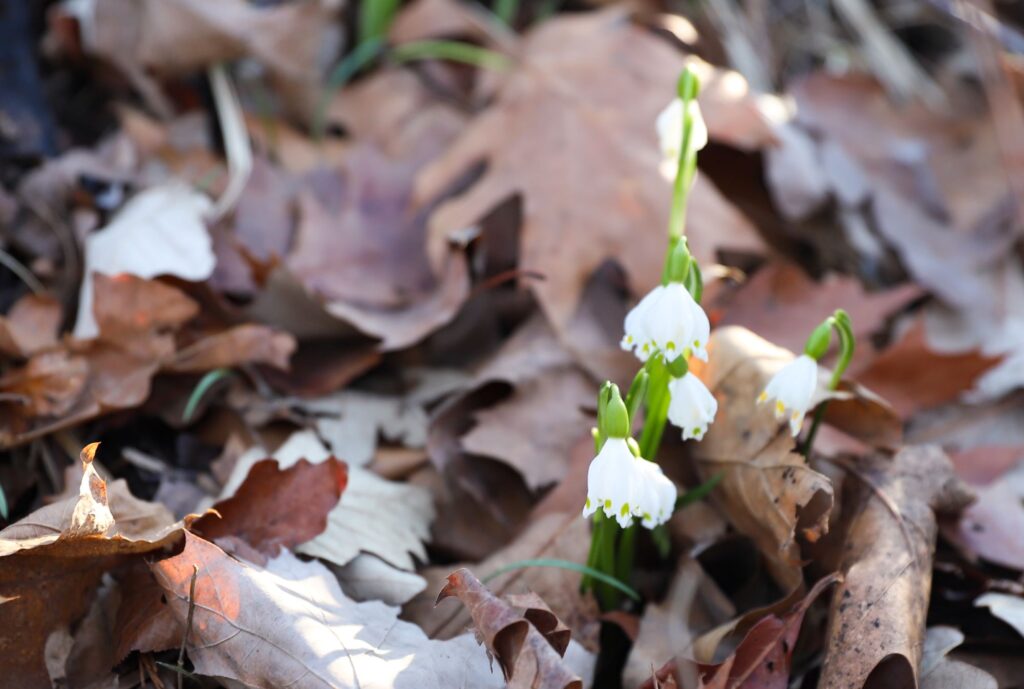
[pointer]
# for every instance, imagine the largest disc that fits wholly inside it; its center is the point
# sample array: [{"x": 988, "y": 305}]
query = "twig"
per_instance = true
[
  {"x": 23, "y": 273},
  {"x": 889, "y": 59},
  {"x": 188, "y": 624}
]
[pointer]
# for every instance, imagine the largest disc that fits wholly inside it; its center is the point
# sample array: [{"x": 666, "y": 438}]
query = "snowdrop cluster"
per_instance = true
[{"x": 626, "y": 486}]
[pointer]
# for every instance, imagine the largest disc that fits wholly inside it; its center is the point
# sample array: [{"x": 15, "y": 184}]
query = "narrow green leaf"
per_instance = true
[
  {"x": 204, "y": 385},
  {"x": 347, "y": 68},
  {"x": 455, "y": 51},
  {"x": 4, "y": 512},
  {"x": 565, "y": 564},
  {"x": 700, "y": 492},
  {"x": 375, "y": 17}
]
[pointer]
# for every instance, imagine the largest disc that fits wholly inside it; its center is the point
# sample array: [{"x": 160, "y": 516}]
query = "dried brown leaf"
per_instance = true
[
  {"x": 243, "y": 344},
  {"x": 991, "y": 527},
  {"x": 30, "y": 326},
  {"x": 762, "y": 660},
  {"x": 767, "y": 491},
  {"x": 51, "y": 563},
  {"x": 877, "y": 621},
  {"x": 289, "y": 624},
  {"x": 586, "y": 168}
]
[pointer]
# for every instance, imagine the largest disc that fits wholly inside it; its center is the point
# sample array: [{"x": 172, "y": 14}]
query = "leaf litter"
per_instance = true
[{"x": 407, "y": 279}]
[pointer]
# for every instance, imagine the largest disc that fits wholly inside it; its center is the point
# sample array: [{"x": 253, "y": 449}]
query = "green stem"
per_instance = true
[
  {"x": 658, "y": 400},
  {"x": 840, "y": 322}
]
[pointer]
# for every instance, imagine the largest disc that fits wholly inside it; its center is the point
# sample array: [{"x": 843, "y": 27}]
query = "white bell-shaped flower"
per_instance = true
[
  {"x": 670, "y": 134},
  {"x": 667, "y": 320},
  {"x": 655, "y": 497},
  {"x": 692, "y": 406},
  {"x": 792, "y": 388},
  {"x": 612, "y": 482}
]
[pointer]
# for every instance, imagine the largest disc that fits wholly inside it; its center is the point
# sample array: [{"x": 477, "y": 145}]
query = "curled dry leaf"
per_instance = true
[
  {"x": 275, "y": 508},
  {"x": 877, "y": 621},
  {"x": 290, "y": 625},
  {"x": 767, "y": 491},
  {"x": 762, "y": 660},
  {"x": 554, "y": 536},
  {"x": 526, "y": 656},
  {"x": 51, "y": 563}
]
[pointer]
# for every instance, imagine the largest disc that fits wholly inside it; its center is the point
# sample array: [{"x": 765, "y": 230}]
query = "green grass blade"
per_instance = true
[
  {"x": 454, "y": 51},
  {"x": 565, "y": 564},
  {"x": 204, "y": 385},
  {"x": 347, "y": 68},
  {"x": 507, "y": 10},
  {"x": 700, "y": 492},
  {"x": 375, "y": 17}
]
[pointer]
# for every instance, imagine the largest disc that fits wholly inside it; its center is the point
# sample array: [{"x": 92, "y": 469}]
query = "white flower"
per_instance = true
[
  {"x": 656, "y": 495},
  {"x": 625, "y": 487},
  {"x": 692, "y": 406},
  {"x": 611, "y": 482},
  {"x": 667, "y": 320},
  {"x": 670, "y": 134},
  {"x": 793, "y": 388}
]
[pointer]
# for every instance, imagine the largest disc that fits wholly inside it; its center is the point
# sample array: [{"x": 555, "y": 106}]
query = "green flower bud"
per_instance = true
[
  {"x": 616, "y": 417},
  {"x": 677, "y": 262},
  {"x": 689, "y": 85},
  {"x": 817, "y": 343}
]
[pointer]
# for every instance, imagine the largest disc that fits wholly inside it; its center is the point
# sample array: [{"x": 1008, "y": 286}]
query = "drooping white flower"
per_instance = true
[
  {"x": 656, "y": 496},
  {"x": 669, "y": 321},
  {"x": 792, "y": 388},
  {"x": 670, "y": 134},
  {"x": 692, "y": 407},
  {"x": 612, "y": 482}
]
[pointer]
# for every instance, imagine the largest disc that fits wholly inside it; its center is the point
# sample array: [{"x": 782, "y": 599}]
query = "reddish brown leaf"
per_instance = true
[
  {"x": 277, "y": 508},
  {"x": 905, "y": 373},
  {"x": 527, "y": 657},
  {"x": 782, "y": 304},
  {"x": 242, "y": 344},
  {"x": 762, "y": 660},
  {"x": 30, "y": 325}
]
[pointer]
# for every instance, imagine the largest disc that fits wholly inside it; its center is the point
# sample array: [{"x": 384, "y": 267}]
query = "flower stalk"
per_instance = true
[{"x": 841, "y": 324}]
